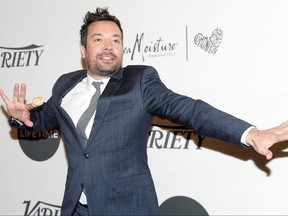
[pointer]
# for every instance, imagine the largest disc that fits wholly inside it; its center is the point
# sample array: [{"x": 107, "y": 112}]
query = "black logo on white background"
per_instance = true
[
  {"x": 159, "y": 47},
  {"x": 209, "y": 44},
  {"x": 41, "y": 209},
  {"x": 11, "y": 57},
  {"x": 170, "y": 136}
]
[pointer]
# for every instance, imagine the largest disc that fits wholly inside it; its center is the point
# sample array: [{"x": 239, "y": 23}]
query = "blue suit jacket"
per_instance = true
[{"x": 113, "y": 166}]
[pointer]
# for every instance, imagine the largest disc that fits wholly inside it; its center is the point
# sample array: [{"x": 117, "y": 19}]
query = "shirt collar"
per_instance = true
[{"x": 90, "y": 80}]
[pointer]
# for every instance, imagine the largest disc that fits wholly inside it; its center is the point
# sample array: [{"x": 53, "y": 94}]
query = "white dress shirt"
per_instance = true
[{"x": 77, "y": 100}]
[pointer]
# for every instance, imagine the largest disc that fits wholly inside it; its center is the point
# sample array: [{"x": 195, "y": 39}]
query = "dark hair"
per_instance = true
[{"x": 101, "y": 14}]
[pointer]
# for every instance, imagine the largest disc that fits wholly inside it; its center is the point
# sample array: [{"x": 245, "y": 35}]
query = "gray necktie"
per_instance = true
[{"x": 86, "y": 116}]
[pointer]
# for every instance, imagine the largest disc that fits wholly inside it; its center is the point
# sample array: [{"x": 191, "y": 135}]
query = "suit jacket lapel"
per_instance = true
[
  {"x": 103, "y": 104},
  {"x": 66, "y": 86},
  {"x": 62, "y": 90}
]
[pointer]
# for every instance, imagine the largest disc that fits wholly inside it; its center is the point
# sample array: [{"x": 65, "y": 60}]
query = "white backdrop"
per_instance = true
[{"x": 247, "y": 77}]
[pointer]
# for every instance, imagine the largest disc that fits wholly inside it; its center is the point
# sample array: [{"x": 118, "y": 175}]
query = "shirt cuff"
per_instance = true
[{"x": 244, "y": 136}]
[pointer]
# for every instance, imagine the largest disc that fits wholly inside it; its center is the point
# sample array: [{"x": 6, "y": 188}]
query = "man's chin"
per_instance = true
[{"x": 105, "y": 72}]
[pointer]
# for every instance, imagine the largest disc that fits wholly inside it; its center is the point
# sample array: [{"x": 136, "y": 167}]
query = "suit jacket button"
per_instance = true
[{"x": 86, "y": 156}]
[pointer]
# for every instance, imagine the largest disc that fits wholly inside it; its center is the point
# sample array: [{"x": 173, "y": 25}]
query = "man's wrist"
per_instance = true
[{"x": 245, "y": 138}]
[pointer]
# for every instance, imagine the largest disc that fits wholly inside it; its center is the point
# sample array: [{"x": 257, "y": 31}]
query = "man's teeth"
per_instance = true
[{"x": 106, "y": 57}]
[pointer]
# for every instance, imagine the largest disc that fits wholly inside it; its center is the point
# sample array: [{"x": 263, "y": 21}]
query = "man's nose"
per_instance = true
[{"x": 108, "y": 45}]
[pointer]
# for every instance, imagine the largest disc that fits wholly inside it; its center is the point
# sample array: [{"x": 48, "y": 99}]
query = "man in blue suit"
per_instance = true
[{"x": 109, "y": 174}]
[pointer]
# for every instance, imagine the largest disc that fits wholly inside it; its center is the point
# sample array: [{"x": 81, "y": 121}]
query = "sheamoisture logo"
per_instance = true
[
  {"x": 11, "y": 57},
  {"x": 156, "y": 48},
  {"x": 211, "y": 44},
  {"x": 41, "y": 208}
]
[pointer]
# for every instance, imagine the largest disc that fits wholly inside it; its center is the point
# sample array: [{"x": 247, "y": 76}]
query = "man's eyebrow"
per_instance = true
[
  {"x": 100, "y": 34},
  {"x": 97, "y": 34}
]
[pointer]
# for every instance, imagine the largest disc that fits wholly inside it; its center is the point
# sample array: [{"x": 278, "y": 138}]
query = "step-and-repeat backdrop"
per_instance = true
[{"x": 232, "y": 54}]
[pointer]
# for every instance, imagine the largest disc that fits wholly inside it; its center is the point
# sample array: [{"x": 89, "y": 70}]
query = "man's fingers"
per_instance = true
[
  {"x": 16, "y": 93},
  {"x": 268, "y": 154},
  {"x": 22, "y": 96},
  {"x": 28, "y": 123},
  {"x": 265, "y": 152},
  {"x": 19, "y": 93},
  {"x": 4, "y": 97},
  {"x": 29, "y": 106}
]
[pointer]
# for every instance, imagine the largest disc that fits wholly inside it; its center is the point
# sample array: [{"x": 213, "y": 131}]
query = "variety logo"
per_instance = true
[
  {"x": 173, "y": 137},
  {"x": 157, "y": 48},
  {"x": 21, "y": 56},
  {"x": 41, "y": 208},
  {"x": 178, "y": 205},
  {"x": 211, "y": 44}
]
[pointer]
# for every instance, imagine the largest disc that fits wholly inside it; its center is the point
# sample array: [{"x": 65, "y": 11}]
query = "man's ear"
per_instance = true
[{"x": 83, "y": 51}]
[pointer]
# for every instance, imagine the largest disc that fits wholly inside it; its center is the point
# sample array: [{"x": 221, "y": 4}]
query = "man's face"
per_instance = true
[{"x": 103, "y": 52}]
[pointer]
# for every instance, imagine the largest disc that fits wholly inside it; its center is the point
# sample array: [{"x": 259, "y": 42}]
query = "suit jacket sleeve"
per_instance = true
[{"x": 197, "y": 114}]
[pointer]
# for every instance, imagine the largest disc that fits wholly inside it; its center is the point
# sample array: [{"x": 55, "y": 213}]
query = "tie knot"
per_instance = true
[{"x": 97, "y": 85}]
